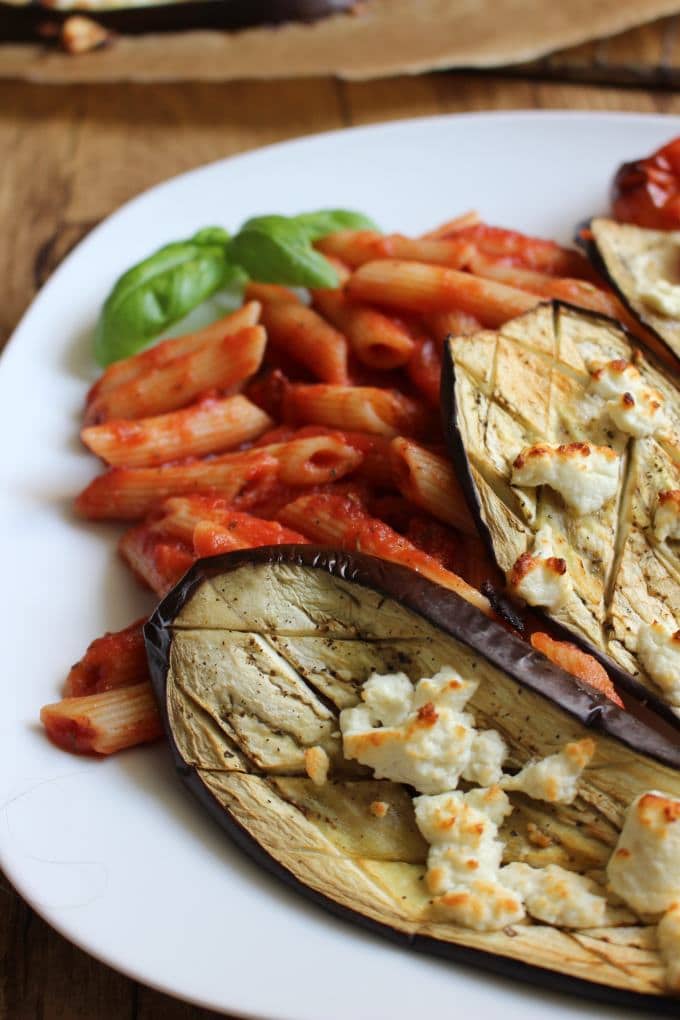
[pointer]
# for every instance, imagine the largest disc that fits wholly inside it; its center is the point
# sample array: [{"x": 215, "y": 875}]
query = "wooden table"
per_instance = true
[{"x": 70, "y": 156}]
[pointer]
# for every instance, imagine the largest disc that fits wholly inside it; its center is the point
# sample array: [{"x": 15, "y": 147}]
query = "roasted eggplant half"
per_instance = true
[
  {"x": 643, "y": 266},
  {"x": 259, "y": 661},
  {"x": 567, "y": 439}
]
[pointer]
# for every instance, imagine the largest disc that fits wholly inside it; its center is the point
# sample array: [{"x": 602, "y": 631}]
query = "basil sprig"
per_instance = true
[{"x": 162, "y": 289}]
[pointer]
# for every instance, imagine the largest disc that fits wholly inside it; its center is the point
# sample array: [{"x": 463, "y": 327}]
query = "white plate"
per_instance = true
[{"x": 113, "y": 853}]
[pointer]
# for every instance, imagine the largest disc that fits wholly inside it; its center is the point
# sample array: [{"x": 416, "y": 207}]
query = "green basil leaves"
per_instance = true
[
  {"x": 160, "y": 291},
  {"x": 166, "y": 286}
]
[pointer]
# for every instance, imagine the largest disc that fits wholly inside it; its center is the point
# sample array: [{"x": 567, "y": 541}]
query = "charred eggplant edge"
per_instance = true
[
  {"x": 465, "y": 623},
  {"x": 650, "y": 706}
]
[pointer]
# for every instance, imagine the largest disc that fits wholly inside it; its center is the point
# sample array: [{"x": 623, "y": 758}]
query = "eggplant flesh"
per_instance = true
[
  {"x": 529, "y": 383},
  {"x": 635, "y": 260},
  {"x": 253, "y": 656}
]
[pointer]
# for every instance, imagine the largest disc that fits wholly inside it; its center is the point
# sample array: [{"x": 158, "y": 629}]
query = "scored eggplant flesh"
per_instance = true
[
  {"x": 252, "y": 658},
  {"x": 636, "y": 261},
  {"x": 529, "y": 383}
]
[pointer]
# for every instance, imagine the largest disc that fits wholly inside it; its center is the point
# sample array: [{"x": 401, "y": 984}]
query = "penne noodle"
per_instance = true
[
  {"x": 430, "y": 482},
  {"x": 341, "y": 521},
  {"x": 157, "y": 561},
  {"x": 515, "y": 276},
  {"x": 155, "y": 357},
  {"x": 452, "y": 323},
  {"x": 301, "y": 333},
  {"x": 271, "y": 293},
  {"x": 210, "y": 426},
  {"x": 117, "y": 659},
  {"x": 216, "y": 364},
  {"x": 104, "y": 723},
  {"x": 376, "y": 339},
  {"x": 241, "y": 531},
  {"x": 419, "y": 287},
  {"x": 130, "y": 493},
  {"x": 183, "y": 514},
  {"x": 530, "y": 252},
  {"x": 355, "y": 408},
  {"x": 353, "y": 247},
  {"x": 315, "y": 460},
  {"x": 267, "y": 390},
  {"x": 468, "y": 219},
  {"x": 455, "y": 252},
  {"x": 425, "y": 369}
]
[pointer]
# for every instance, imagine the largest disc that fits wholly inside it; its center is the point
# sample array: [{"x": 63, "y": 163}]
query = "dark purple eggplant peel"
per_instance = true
[
  {"x": 253, "y": 655},
  {"x": 530, "y": 383}
]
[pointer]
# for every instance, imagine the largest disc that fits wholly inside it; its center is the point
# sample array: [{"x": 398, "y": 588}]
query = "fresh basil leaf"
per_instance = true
[
  {"x": 211, "y": 235},
  {"x": 158, "y": 292},
  {"x": 329, "y": 221},
  {"x": 276, "y": 249}
]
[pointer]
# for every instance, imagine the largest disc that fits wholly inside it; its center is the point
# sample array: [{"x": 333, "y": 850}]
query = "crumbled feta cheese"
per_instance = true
[
  {"x": 487, "y": 755},
  {"x": 667, "y": 516},
  {"x": 668, "y": 938},
  {"x": 317, "y": 764},
  {"x": 420, "y": 735},
  {"x": 540, "y": 577},
  {"x": 633, "y": 406},
  {"x": 465, "y": 855},
  {"x": 557, "y": 896},
  {"x": 555, "y": 778},
  {"x": 586, "y": 476},
  {"x": 389, "y": 696},
  {"x": 644, "y": 869},
  {"x": 658, "y": 648}
]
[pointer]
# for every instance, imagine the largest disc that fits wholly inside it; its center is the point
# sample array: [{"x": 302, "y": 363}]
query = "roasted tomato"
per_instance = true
[{"x": 647, "y": 191}]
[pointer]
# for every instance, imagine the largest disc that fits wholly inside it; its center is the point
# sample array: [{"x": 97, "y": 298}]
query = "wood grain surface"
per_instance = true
[{"x": 71, "y": 155}]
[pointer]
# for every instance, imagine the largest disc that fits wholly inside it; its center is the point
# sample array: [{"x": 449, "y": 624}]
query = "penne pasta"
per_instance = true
[
  {"x": 425, "y": 370},
  {"x": 241, "y": 531},
  {"x": 515, "y": 276},
  {"x": 117, "y": 659},
  {"x": 419, "y": 287},
  {"x": 341, "y": 521},
  {"x": 355, "y": 408},
  {"x": 442, "y": 543},
  {"x": 155, "y": 357},
  {"x": 315, "y": 460},
  {"x": 130, "y": 493},
  {"x": 104, "y": 723},
  {"x": 376, "y": 339},
  {"x": 430, "y": 482},
  {"x": 468, "y": 219},
  {"x": 181, "y": 515},
  {"x": 210, "y": 426},
  {"x": 215, "y": 364},
  {"x": 353, "y": 247},
  {"x": 305, "y": 336},
  {"x": 455, "y": 251},
  {"x": 271, "y": 293},
  {"x": 156, "y": 560},
  {"x": 452, "y": 323},
  {"x": 530, "y": 252}
]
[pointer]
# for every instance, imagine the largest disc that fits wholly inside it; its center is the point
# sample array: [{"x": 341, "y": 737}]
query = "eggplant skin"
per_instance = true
[
  {"x": 490, "y": 496},
  {"x": 612, "y": 247},
  {"x": 436, "y": 615}
]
